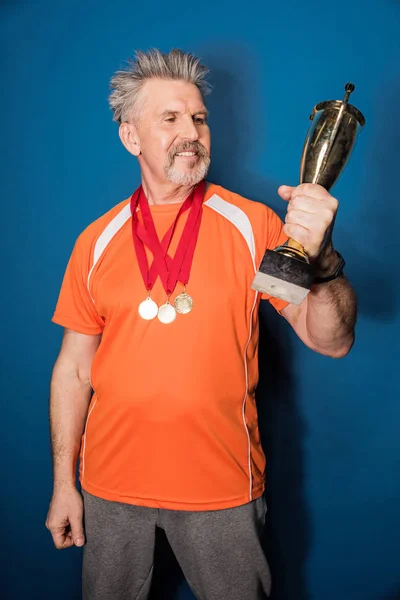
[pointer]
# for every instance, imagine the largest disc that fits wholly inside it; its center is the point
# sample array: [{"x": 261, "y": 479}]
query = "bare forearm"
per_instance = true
[
  {"x": 326, "y": 319},
  {"x": 69, "y": 401},
  {"x": 331, "y": 316}
]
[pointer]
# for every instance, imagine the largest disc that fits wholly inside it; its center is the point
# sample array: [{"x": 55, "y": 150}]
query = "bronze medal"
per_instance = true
[{"x": 183, "y": 303}]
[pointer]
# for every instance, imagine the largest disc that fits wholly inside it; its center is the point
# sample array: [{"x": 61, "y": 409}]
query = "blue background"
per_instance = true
[{"x": 330, "y": 428}]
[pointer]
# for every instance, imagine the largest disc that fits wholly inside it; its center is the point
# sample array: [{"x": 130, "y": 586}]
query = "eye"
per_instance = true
[
  {"x": 171, "y": 119},
  {"x": 199, "y": 120}
]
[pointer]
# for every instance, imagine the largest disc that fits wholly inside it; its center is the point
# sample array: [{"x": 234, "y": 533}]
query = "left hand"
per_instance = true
[{"x": 310, "y": 217}]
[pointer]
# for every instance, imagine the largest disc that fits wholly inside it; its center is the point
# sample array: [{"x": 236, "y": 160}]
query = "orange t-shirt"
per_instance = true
[{"x": 173, "y": 422}]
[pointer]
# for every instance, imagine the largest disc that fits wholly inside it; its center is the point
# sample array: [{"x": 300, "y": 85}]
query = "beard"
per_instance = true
[{"x": 198, "y": 167}]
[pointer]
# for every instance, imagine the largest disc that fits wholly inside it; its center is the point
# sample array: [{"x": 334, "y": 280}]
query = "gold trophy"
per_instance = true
[{"x": 286, "y": 271}]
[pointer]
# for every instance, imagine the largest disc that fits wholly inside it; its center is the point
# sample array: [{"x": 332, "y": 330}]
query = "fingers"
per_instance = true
[
  {"x": 314, "y": 213},
  {"x": 65, "y": 519},
  {"x": 285, "y": 192},
  {"x": 306, "y": 203},
  {"x": 78, "y": 536},
  {"x": 310, "y": 215},
  {"x": 313, "y": 190},
  {"x": 300, "y": 234},
  {"x": 67, "y": 536},
  {"x": 61, "y": 537},
  {"x": 309, "y": 220}
]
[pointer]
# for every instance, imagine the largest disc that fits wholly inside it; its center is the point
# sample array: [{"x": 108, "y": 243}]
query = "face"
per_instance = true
[{"x": 170, "y": 134}]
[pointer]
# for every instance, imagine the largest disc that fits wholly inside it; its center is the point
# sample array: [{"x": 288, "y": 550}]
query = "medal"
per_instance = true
[
  {"x": 183, "y": 303},
  {"x": 167, "y": 313},
  {"x": 148, "y": 309},
  {"x": 170, "y": 270}
]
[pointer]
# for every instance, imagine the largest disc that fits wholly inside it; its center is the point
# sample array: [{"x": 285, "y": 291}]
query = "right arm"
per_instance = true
[{"x": 69, "y": 401}]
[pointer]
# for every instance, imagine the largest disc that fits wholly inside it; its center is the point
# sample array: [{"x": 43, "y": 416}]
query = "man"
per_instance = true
[{"x": 161, "y": 323}]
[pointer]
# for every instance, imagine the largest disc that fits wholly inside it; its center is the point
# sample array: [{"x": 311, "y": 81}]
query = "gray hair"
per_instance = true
[{"x": 178, "y": 65}]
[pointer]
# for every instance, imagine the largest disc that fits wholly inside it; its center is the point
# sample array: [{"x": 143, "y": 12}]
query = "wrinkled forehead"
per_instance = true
[{"x": 159, "y": 96}]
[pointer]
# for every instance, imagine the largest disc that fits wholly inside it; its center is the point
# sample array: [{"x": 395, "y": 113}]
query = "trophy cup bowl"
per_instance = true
[{"x": 286, "y": 271}]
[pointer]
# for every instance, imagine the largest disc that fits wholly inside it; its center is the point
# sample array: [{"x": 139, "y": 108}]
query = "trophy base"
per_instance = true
[{"x": 283, "y": 276}]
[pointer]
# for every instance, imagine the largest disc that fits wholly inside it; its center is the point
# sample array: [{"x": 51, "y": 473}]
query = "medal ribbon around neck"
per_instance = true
[{"x": 171, "y": 270}]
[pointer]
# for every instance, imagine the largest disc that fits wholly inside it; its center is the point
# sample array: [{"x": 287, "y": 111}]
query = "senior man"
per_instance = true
[{"x": 154, "y": 386}]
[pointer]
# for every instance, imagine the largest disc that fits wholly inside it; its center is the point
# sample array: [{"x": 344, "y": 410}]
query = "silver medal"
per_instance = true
[
  {"x": 166, "y": 313},
  {"x": 148, "y": 309}
]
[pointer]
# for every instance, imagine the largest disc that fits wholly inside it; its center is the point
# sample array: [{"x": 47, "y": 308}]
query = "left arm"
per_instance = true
[{"x": 326, "y": 319}]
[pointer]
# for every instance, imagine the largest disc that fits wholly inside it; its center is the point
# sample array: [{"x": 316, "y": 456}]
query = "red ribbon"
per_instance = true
[{"x": 171, "y": 270}]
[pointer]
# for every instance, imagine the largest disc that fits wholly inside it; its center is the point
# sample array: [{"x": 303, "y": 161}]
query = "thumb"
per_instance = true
[
  {"x": 77, "y": 530},
  {"x": 285, "y": 192}
]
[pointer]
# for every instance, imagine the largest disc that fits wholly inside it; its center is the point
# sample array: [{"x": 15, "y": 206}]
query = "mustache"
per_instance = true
[{"x": 188, "y": 147}]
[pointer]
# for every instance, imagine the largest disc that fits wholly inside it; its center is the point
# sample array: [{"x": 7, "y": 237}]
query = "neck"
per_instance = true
[{"x": 165, "y": 192}]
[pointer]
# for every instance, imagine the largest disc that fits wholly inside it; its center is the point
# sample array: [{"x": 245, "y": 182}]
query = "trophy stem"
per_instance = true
[{"x": 293, "y": 249}]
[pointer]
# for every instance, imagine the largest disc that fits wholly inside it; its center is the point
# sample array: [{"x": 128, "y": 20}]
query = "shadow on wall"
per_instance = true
[
  {"x": 376, "y": 252},
  {"x": 395, "y": 596},
  {"x": 236, "y": 115},
  {"x": 287, "y": 535}
]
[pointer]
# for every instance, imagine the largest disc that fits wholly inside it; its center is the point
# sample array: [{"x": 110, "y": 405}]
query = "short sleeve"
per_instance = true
[
  {"x": 275, "y": 236},
  {"x": 75, "y": 308}
]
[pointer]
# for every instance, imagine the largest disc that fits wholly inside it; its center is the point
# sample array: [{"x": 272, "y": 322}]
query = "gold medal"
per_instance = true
[
  {"x": 167, "y": 313},
  {"x": 183, "y": 303},
  {"x": 148, "y": 309}
]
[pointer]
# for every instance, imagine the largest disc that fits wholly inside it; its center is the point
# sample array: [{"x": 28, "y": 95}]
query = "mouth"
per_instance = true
[{"x": 186, "y": 154}]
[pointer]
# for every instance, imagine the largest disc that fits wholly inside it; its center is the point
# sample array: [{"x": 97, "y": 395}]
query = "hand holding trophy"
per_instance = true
[{"x": 286, "y": 272}]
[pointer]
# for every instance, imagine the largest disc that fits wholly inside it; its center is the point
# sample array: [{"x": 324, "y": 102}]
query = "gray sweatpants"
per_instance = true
[{"x": 219, "y": 551}]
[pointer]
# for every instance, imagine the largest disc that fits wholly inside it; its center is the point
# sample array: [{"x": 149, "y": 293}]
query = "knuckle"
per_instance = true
[
  {"x": 292, "y": 209},
  {"x": 316, "y": 187},
  {"x": 297, "y": 196},
  {"x": 298, "y": 217},
  {"x": 306, "y": 188},
  {"x": 294, "y": 202},
  {"x": 77, "y": 518},
  {"x": 293, "y": 231},
  {"x": 335, "y": 204},
  {"x": 290, "y": 217},
  {"x": 327, "y": 215}
]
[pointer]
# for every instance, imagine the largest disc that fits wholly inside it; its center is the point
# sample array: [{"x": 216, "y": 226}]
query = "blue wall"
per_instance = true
[{"x": 330, "y": 428}]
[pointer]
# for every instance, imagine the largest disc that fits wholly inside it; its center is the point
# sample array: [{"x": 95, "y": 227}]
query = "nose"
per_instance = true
[{"x": 189, "y": 130}]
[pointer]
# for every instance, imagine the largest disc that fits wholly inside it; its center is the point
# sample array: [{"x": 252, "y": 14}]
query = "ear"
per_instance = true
[{"x": 129, "y": 138}]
